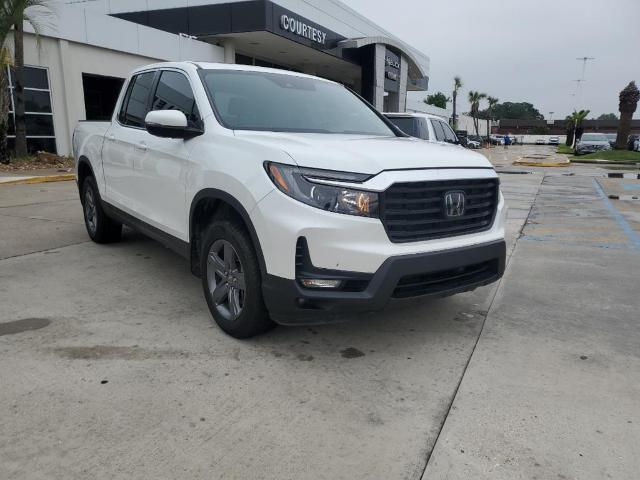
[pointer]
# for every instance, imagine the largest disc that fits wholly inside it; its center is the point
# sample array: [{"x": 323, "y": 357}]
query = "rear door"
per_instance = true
[
  {"x": 122, "y": 142},
  {"x": 159, "y": 171}
]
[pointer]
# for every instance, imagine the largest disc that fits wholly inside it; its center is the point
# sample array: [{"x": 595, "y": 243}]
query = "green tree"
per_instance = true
[
  {"x": 608, "y": 116},
  {"x": 492, "y": 103},
  {"x": 514, "y": 110},
  {"x": 574, "y": 125},
  {"x": 437, "y": 100},
  {"x": 13, "y": 14},
  {"x": 474, "y": 99},
  {"x": 457, "y": 85},
  {"x": 629, "y": 97}
]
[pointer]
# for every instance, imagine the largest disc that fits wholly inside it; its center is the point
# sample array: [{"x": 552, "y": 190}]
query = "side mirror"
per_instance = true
[{"x": 170, "y": 124}]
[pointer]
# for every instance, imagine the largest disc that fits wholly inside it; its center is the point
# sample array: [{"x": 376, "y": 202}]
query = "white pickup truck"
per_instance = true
[{"x": 295, "y": 201}]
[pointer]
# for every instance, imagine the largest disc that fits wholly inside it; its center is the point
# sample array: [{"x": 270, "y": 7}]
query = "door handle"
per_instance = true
[
  {"x": 142, "y": 147},
  {"x": 111, "y": 138}
]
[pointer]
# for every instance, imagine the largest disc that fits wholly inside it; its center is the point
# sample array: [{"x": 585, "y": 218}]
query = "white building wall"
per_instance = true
[{"x": 76, "y": 41}]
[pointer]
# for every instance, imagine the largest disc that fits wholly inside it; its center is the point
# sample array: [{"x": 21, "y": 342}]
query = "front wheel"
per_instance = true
[
  {"x": 232, "y": 282},
  {"x": 100, "y": 227}
]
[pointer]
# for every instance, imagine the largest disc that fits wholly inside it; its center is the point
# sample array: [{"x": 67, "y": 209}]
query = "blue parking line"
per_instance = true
[
  {"x": 617, "y": 216},
  {"x": 631, "y": 186}
]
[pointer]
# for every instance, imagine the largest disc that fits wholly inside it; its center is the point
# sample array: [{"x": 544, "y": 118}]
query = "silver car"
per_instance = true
[{"x": 592, "y": 142}]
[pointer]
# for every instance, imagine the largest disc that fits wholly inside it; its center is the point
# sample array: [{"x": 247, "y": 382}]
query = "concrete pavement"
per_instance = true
[{"x": 110, "y": 367}]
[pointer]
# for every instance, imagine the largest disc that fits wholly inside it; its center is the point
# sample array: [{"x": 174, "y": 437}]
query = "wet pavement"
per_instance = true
[{"x": 112, "y": 369}]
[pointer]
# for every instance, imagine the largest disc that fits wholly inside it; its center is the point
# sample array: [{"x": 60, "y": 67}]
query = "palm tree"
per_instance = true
[
  {"x": 574, "y": 126},
  {"x": 13, "y": 13},
  {"x": 474, "y": 100},
  {"x": 629, "y": 97},
  {"x": 493, "y": 101},
  {"x": 457, "y": 85}
]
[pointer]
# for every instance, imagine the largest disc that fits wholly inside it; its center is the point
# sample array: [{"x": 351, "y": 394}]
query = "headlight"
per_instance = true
[{"x": 299, "y": 183}]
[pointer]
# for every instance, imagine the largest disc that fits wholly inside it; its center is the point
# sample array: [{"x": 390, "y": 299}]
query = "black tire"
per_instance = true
[
  {"x": 252, "y": 318},
  {"x": 100, "y": 227}
]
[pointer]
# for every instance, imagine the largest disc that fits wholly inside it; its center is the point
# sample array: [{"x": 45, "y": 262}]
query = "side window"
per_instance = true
[
  {"x": 448, "y": 133},
  {"x": 135, "y": 105},
  {"x": 437, "y": 128},
  {"x": 174, "y": 93}
]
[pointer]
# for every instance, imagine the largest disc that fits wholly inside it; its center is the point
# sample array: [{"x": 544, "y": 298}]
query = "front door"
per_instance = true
[{"x": 159, "y": 170}]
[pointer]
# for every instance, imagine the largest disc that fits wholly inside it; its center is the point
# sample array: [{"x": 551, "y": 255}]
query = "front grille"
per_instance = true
[
  {"x": 415, "y": 211},
  {"x": 441, "y": 282}
]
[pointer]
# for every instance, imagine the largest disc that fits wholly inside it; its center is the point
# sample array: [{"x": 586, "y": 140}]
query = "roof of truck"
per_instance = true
[{"x": 225, "y": 66}]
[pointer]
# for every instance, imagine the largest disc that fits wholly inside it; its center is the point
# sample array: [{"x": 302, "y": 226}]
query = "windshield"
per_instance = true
[
  {"x": 250, "y": 100},
  {"x": 593, "y": 137}
]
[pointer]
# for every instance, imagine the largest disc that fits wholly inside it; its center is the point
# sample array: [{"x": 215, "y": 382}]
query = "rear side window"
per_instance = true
[
  {"x": 408, "y": 125},
  {"x": 437, "y": 129},
  {"x": 174, "y": 93},
  {"x": 448, "y": 133},
  {"x": 136, "y": 104}
]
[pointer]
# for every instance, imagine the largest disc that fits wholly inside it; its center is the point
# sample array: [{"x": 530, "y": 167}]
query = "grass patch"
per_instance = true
[
  {"x": 611, "y": 155},
  {"x": 564, "y": 149}
]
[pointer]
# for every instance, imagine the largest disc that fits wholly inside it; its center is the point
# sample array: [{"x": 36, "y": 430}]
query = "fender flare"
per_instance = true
[{"x": 215, "y": 194}]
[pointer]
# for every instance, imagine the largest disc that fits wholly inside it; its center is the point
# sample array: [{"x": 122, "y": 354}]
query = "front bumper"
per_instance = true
[{"x": 417, "y": 275}]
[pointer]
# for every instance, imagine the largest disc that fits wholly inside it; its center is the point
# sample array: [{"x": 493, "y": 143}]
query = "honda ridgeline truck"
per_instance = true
[{"x": 294, "y": 200}]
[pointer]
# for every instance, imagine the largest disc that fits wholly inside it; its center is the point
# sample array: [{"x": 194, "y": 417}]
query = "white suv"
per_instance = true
[
  {"x": 424, "y": 126},
  {"x": 295, "y": 201}
]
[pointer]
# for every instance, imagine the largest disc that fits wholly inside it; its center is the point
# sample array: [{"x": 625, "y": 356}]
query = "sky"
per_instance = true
[{"x": 522, "y": 50}]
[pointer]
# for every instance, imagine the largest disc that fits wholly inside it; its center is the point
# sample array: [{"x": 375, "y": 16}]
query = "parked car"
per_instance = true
[
  {"x": 541, "y": 141},
  {"x": 293, "y": 215},
  {"x": 612, "y": 139},
  {"x": 424, "y": 126},
  {"x": 592, "y": 142},
  {"x": 496, "y": 139},
  {"x": 474, "y": 141},
  {"x": 554, "y": 140}
]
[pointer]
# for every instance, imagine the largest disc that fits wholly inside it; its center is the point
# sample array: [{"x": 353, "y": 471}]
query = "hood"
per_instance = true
[{"x": 364, "y": 154}]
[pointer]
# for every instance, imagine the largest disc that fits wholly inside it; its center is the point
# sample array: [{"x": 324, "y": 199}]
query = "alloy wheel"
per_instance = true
[
  {"x": 225, "y": 277},
  {"x": 90, "y": 213}
]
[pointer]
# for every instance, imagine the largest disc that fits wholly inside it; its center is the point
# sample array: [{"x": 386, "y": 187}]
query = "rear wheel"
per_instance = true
[
  {"x": 231, "y": 280},
  {"x": 100, "y": 227}
]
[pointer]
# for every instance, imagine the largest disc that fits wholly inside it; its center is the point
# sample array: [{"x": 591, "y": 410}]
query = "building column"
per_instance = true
[
  {"x": 378, "y": 88},
  {"x": 402, "y": 94},
  {"x": 229, "y": 51},
  {"x": 68, "y": 86}
]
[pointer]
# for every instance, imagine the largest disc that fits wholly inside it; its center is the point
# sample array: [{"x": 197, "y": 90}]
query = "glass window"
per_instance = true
[
  {"x": 408, "y": 125},
  {"x": 137, "y": 100},
  {"x": 38, "y": 110},
  {"x": 288, "y": 103},
  {"x": 35, "y": 101},
  {"x": 33, "y": 77},
  {"x": 437, "y": 129},
  {"x": 448, "y": 133},
  {"x": 39, "y": 125},
  {"x": 174, "y": 93},
  {"x": 41, "y": 145}
]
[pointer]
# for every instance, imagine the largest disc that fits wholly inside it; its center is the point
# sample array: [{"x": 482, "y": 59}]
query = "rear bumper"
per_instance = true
[{"x": 418, "y": 275}]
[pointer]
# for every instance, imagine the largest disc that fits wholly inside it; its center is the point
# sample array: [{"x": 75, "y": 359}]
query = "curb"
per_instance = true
[
  {"x": 41, "y": 179},
  {"x": 542, "y": 164},
  {"x": 606, "y": 162}
]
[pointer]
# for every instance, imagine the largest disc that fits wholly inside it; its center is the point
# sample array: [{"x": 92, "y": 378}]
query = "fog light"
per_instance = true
[{"x": 320, "y": 283}]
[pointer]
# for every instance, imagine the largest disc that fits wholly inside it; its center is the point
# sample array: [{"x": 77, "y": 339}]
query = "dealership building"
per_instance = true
[{"x": 87, "y": 48}]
